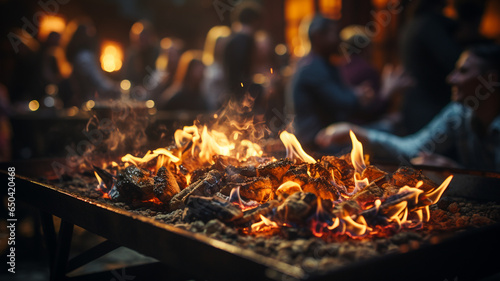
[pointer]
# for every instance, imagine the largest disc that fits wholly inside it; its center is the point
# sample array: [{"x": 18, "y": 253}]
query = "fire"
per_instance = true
[
  {"x": 101, "y": 186},
  {"x": 235, "y": 199},
  {"x": 288, "y": 188},
  {"x": 357, "y": 156},
  {"x": 264, "y": 224},
  {"x": 294, "y": 149},
  {"x": 198, "y": 146}
]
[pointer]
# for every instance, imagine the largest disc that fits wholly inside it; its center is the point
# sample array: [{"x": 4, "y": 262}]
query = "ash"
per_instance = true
[{"x": 295, "y": 246}]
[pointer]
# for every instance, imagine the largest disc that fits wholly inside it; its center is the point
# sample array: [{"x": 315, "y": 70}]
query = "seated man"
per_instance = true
[
  {"x": 319, "y": 95},
  {"x": 466, "y": 133}
]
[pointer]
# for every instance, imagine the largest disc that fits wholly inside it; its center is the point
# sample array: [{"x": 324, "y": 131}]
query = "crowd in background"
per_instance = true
[{"x": 240, "y": 63}]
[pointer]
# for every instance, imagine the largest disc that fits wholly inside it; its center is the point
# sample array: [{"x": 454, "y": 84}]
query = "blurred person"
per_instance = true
[
  {"x": 356, "y": 70},
  {"x": 320, "y": 97},
  {"x": 469, "y": 17},
  {"x": 214, "y": 86},
  {"x": 142, "y": 54},
  {"x": 272, "y": 96},
  {"x": 357, "y": 49},
  {"x": 165, "y": 66},
  {"x": 428, "y": 53},
  {"x": 50, "y": 66},
  {"x": 25, "y": 83},
  {"x": 185, "y": 92},
  {"x": 239, "y": 52},
  {"x": 466, "y": 133},
  {"x": 87, "y": 80}
]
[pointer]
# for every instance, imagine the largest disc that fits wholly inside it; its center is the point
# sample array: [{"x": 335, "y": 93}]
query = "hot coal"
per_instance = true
[{"x": 295, "y": 246}]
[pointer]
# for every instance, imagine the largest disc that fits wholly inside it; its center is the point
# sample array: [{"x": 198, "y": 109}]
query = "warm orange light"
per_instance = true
[
  {"x": 331, "y": 8},
  {"x": 296, "y": 27},
  {"x": 137, "y": 28},
  {"x": 166, "y": 43},
  {"x": 125, "y": 85},
  {"x": 34, "y": 105},
  {"x": 150, "y": 103},
  {"x": 50, "y": 24},
  {"x": 280, "y": 49},
  {"x": 111, "y": 57},
  {"x": 490, "y": 24}
]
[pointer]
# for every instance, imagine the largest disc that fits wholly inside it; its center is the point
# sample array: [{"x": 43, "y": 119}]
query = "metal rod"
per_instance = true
[{"x": 91, "y": 254}]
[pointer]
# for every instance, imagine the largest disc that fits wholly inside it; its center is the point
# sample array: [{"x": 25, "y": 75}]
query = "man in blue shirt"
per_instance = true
[{"x": 466, "y": 133}]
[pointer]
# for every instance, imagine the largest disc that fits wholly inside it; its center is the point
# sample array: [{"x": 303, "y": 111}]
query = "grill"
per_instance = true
[{"x": 464, "y": 256}]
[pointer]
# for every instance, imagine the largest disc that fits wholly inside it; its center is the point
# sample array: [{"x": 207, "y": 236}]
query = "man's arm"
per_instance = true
[{"x": 436, "y": 138}]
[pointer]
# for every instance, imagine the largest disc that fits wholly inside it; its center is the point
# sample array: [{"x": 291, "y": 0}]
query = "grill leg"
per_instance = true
[
  {"x": 49, "y": 235},
  {"x": 58, "y": 246}
]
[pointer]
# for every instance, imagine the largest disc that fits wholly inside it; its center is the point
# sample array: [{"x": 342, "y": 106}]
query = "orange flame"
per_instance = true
[
  {"x": 435, "y": 195},
  {"x": 294, "y": 149},
  {"x": 150, "y": 155},
  {"x": 356, "y": 228},
  {"x": 205, "y": 144},
  {"x": 357, "y": 157},
  {"x": 289, "y": 188},
  {"x": 235, "y": 198},
  {"x": 265, "y": 223},
  {"x": 101, "y": 186}
]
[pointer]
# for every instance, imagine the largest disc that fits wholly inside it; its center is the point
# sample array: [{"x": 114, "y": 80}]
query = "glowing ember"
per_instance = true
[{"x": 226, "y": 171}]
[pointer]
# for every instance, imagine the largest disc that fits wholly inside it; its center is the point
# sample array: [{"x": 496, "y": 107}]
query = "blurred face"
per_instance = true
[
  {"x": 331, "y": 37},
  {"x": 464, "y": 78},
  {"x": 197, "y": 72},
  {"x": 328, "y": 40}
]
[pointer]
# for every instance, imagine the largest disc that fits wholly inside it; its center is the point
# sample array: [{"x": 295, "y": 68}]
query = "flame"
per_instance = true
[
  {"x": 264, "y": 224},
  {"x": 294, "y": 149},
  {"x": 435, "y": 195},
  {"x": 235, "y": 199},
  {"x": 154, "y": 200},
  {"x": 359, "y": 184},
  {"x": 198, "y": 145},
  {"x": 377, "y": 204},
  {"x": 396, "y": 211},
  {"x": 150, "y": 155},
  {"x": 356, "y": 228},
  {"x": 357, "y": 157},
  {"x": 101, "y": 186},
  {"x": 289, "y": 187},
  {"x": 335, "y": 224}
]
